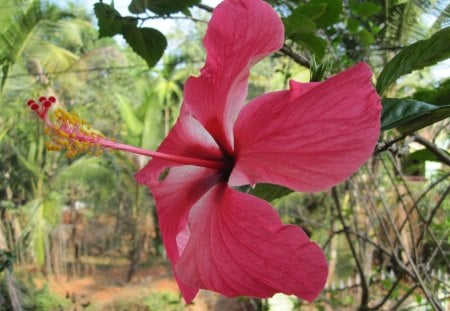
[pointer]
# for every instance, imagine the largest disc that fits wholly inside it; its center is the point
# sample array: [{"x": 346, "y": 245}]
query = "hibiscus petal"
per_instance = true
[
  {"x": 187, "y": 138},
  {"x": 174, "y": 197},
  {"x": 238, "y": 246},
  {"x": 311, "y": 137},
  {"x": 240, "y": 33}
]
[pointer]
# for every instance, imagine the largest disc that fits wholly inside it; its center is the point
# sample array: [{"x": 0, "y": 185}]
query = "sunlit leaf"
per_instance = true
[
  {"x": 134, "y": 125},
  {"x": 416, "y": 56}
]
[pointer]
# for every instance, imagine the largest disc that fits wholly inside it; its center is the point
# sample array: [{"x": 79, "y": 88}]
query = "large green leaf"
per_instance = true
[
  {"x": 298, "y": 23},
  {"x": 408, "y": 115},
  {"x": 161, "y": 7},
  {"x": 332, "y": 13},
  {"x": 416, "y": 56},
  {"x": 365, "y": 8},
  {"x": 313, "y": 43},
  {"x": 148, "y": 43},
  {"x": 269, "y": 192},
  {"x": 110, "y": 22}
]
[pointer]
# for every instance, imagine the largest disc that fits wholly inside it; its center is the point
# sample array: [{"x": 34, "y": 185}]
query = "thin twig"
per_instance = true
[
  {"x": 442, "y": 156},
  {"x": 389, "y": 293},
  {"x": 415, "y": 270},
  {"x": 299, "y": 59},
  {"x": 386, "y": 145},
  {"x": 408, "y": 293},
  {"x": 364, "y": 286}
]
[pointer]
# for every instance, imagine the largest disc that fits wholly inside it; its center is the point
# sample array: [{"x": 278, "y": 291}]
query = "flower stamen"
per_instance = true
[
  {"x": 65, "y": 130},
  {"x": 70, "y": 132}
]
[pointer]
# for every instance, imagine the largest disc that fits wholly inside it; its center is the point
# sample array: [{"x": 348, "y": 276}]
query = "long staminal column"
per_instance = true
[{"x": 67, "y": 131}]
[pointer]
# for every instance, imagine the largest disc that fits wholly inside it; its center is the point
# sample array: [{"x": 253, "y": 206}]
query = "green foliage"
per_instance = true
[
  {"x": 32, "y": 298},
  {"x": 148, "y": 43},
  {"x": 416, "y": 56},
  {"x": 161, "y": 7},
  {"x": 408, "y": 115},
  {"x": 439, "y": 96},
  {"x": 365, "y": 8},
  {"x": 15, "y": 33},
  {"x": 7, "y": 260},
  {"x": 43, "y": 300},
  {"x": 331, "y": 14},
  {"x": 269, "y": 192},
  {"x": 164, "y": 301},
  {"x": 307, "y": 18}
]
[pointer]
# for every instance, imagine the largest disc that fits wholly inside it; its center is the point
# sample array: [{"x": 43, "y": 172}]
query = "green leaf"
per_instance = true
[
  {"x": 298, "y": 23},
  {"x": 161, "y": 7},
  {"x": 110, "y": 22},
  {"x": 314, "y": 44},
  {"x": 416, "y": 56},
  {"x": 312, "y": 10},
  {"x": 148, "y": 43},
  {"x": 437, "y": 96},
  {"x": 366, "y": 37},
  {"x": 331, "y": 14},
  {"x": 408, "y": 115},
  {"x": 352, "y": 25},
  {"x": 134, "y": 125},
  {"x": 424, "y": 155},
  {"x": 365, "y": 8},
  {"x": 269, "y": 192},
  {"x": 137, "y": 6}
]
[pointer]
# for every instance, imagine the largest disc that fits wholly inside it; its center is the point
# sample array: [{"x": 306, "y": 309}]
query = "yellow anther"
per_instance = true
[{"x": 70, "y": 132}]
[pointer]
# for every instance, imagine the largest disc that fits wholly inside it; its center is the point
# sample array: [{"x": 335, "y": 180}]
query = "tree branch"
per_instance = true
[
  {"x": 364, "y": 286},
  {"x": 299, "y": 59},
  {"x": 442, "y": 156}
]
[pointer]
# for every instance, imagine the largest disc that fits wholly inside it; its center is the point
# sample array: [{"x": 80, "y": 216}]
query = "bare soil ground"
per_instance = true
[{"x": 107, "y": 288}]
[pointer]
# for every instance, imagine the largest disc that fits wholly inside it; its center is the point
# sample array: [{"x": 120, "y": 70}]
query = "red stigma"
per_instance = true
[
  {"x": 30, "y": 102},
  {"x": 34, "y": 106},
  {"x": 52, "y": 99},
  {"x": 42, "y": 99}
]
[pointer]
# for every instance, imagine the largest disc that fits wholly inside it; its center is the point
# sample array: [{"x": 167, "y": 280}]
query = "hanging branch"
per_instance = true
[{"x": 364, "y": 286}]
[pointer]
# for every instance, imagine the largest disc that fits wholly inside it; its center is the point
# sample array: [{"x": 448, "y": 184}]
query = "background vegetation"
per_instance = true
[{"x": 385, "y": 231}]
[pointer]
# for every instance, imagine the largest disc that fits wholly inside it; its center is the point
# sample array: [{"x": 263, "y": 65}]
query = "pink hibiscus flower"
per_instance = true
[{"x": 308, "y": 138}]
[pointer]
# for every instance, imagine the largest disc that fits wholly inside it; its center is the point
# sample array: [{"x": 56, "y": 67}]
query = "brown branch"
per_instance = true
[
  {"x": 442, "y": 156},
  {"x": 299, "y": 59},
  {"x": 389, "y": 293},
  {"x": 364, "y": 285}
]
